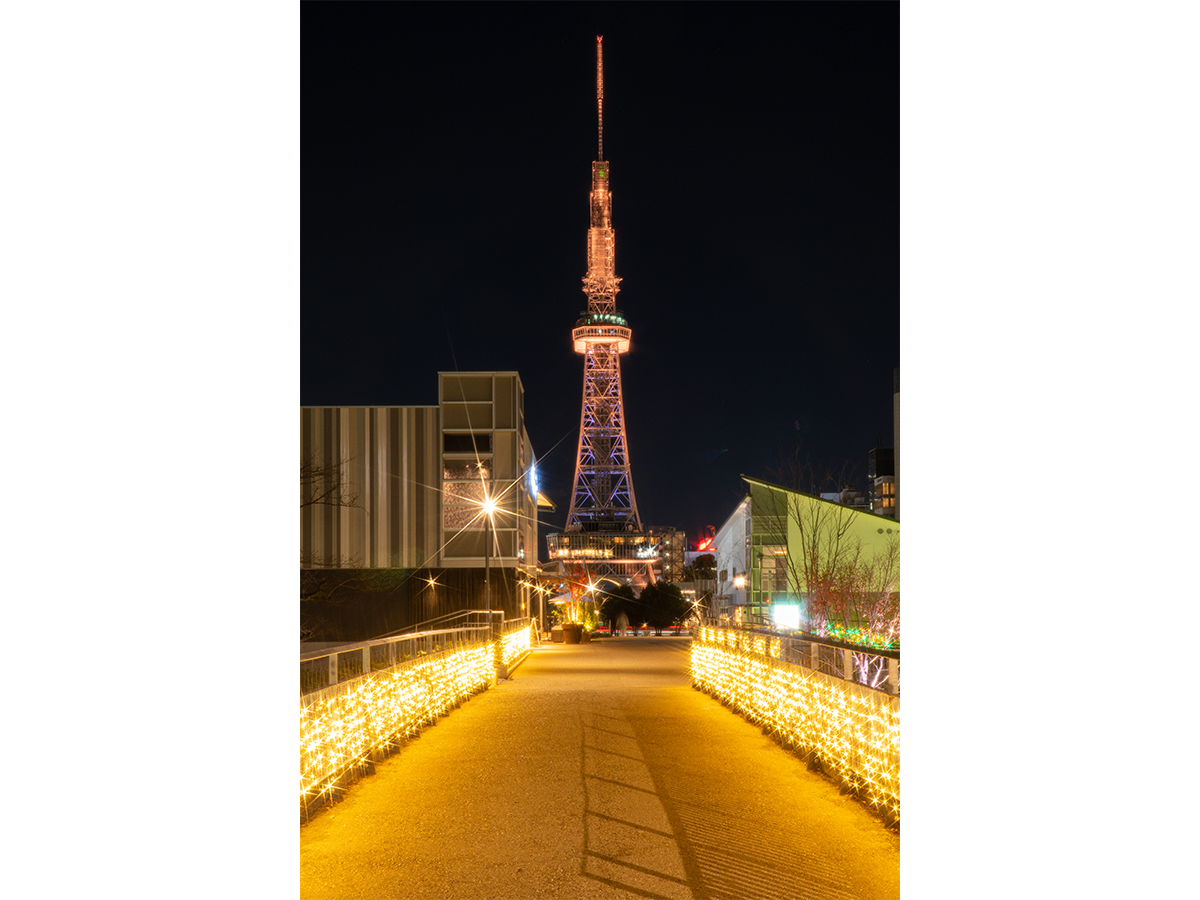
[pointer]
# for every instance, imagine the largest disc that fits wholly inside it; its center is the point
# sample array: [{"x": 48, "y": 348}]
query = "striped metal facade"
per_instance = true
[
  {"x": 390, "y": 456},
  {"x": 415, "y": 471}
]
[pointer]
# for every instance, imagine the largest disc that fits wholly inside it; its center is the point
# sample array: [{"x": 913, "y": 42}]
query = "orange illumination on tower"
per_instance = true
[{"x": 602, "y": 499}]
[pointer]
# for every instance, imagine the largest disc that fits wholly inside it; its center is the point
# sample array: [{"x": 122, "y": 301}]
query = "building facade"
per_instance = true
[
  {"x": 896, "y": 436},
  {"x": 404, "y": 487},
  {"x": 881, "y": 475},
  {"x": 759, "y": 569}
]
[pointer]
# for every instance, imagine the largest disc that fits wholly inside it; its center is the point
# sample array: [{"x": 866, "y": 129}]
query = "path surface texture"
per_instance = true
[{"x": 597, "y": 771}]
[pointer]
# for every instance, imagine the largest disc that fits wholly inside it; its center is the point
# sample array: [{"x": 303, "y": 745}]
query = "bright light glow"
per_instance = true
[
  {"x": 489, "y": 505},
  {"x": 852, "y": 729},
  {"x": 342, "y": 727},
  {"x": 739, "y": 581},
  {"x": 786, "y": 615}
]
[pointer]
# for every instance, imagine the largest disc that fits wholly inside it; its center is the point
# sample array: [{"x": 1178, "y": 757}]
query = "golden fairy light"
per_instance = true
[
  {"x": 344, "y": 726},
  {"x": 853, "y": 730}
]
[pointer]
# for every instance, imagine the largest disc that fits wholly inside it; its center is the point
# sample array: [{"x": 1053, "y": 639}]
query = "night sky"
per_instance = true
[
  {"x": 445, "y": 170},
  {"x": 438, "y": 158}
]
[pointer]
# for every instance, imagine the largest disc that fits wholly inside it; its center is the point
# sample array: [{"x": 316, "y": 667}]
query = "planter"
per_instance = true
[{"x": 572, "y": 634}]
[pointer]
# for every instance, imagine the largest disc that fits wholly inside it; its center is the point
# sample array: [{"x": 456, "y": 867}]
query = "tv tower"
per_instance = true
[{"x": 602, "y": 499}]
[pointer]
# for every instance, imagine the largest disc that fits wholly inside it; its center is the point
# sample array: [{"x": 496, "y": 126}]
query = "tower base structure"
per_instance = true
[{"x": 629, "y": 557}]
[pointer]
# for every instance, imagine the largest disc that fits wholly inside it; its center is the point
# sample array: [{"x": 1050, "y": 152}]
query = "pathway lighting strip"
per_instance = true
[
  {"x": 345, "y": 728},
  {"x": 852, "y": 730}
]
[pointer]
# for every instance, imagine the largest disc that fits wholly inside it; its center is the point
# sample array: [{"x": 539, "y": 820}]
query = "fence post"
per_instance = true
[
  {"x": 815, "y": 649},
  {"x": 366, "y": 657},
  {"x": 893, "y": 676},
  {"x": 333, "y": 673},
  {"x": 848, "y": 664}
]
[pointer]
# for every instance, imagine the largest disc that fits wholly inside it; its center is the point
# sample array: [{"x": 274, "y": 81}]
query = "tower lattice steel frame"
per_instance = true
[{"x": 602, "y": 499}]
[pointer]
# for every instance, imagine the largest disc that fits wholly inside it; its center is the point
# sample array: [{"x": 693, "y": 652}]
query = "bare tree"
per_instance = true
[
  {"x": 324, "y": 483},
  {"x": 851, "y": 593}
]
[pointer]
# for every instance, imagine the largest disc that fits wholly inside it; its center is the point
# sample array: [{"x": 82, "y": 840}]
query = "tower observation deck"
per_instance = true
[{"x": 603, "y": 527}]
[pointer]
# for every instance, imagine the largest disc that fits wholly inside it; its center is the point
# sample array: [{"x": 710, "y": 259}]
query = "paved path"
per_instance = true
[{"x": 597, "y": 771}]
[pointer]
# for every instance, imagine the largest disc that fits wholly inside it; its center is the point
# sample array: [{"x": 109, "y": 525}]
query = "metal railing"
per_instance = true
[
  {"x": 837, "y": 706},
  {"x": 329, "y": 666},
  {"x": 462, "y": 619},
  {"x": 326, "y": 668},
  {"x": 876, "y": 669},
  {"x": 359, "y": 702}
]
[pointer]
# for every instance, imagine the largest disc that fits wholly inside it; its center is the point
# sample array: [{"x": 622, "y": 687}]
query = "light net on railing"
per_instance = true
[
  {"x": 344, "y": 726},
  {"x": 851, "y": 729},
  {"x": 516, "y": 643},
  {"x": 341, "y": 726}
]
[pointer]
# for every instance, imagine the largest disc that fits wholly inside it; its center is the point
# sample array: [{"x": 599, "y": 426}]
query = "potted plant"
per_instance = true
[{"x": 576, "y": 614}]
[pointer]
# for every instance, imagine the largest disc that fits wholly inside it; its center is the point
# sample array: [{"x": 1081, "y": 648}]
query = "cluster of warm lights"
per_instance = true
[
  {"x": 852, "y": 730},
  {"x": 735, "y": 640},
  {"x": 517, "y": 644},
  {"x": 344, "y": 727},
  {"x": 586, "y": 553}
]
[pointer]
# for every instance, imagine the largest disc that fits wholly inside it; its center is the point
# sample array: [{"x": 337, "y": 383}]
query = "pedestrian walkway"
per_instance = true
[{"x": 597, "y": 771}]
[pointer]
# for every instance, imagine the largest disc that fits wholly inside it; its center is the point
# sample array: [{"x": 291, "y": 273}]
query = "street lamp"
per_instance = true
[
  {"x": 489, "y": 507},
  {"x": 489, "y": 510}
]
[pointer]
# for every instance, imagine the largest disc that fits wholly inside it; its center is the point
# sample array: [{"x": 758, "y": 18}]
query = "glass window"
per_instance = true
[
  {"x": 462, "y": 469},
  {"x": 467, "y": 443},
  {"x": 454, "y": 517},
  {"x": 459, "y": 491}
]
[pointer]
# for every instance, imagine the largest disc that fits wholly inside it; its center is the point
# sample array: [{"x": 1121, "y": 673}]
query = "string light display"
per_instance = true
[
  {"x": 345, "y": 728},
  {"x": 851, "y": 730},
  {"x": 517, "y": 643},
  {"x": 860, "y": 636}
]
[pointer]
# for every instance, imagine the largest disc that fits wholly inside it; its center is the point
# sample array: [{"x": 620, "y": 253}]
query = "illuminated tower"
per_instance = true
[{"x": 602, "y": 499}]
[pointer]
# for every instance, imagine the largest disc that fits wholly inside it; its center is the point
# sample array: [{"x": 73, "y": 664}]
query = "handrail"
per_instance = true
[
  {"x": 448, "y": 616},
  {"x": 802, "y": 636},
  {"x": 376, "y": 642},
  {"x": 876, "y": 669},
  {"x": 327, "y": 667}
]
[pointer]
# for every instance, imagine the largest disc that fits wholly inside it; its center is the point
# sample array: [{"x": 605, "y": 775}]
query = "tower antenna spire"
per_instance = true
[
  {"x": 600, "y": 92},
  {"x": 604, "y": 535}
]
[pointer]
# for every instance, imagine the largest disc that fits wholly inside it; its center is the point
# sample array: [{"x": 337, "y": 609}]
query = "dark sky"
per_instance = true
[{"x": 754, "y": 150}]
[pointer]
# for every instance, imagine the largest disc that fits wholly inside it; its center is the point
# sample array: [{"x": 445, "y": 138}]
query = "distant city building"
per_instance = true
[
  {"x": 896, "y": 436},
  {"x": 848, "y": 496},
  {"x": 881, "y": 474},
  {"x": 672, "y": 550}
]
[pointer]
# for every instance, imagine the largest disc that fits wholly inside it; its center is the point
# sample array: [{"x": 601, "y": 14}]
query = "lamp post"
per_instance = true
[{"x": 489, "y": 508}]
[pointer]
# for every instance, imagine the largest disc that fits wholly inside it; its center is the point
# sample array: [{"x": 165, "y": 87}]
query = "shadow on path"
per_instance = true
[{"x": 597, "y": 771}]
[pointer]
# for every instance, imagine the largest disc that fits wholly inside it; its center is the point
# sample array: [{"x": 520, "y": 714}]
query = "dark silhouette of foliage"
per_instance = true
[{"x": 662, "y": 605}]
